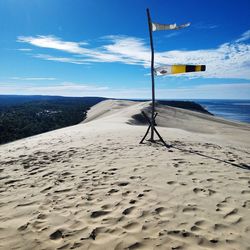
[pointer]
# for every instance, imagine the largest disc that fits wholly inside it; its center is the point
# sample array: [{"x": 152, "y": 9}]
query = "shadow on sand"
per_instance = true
[{"x": 191, "y": 151}]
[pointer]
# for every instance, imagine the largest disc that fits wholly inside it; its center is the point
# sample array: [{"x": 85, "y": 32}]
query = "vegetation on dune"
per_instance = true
[
  {"x": 35, "y": 117},
  {"x": 189, "y": 105}
]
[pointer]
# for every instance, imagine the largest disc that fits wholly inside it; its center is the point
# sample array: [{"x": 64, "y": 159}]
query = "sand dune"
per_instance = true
[{"x": 93, "y": 186}]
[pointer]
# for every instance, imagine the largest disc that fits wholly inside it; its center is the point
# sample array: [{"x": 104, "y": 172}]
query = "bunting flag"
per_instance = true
[
  {"x": 178, "y": 69},
  {"x": 157, "y": 26}
]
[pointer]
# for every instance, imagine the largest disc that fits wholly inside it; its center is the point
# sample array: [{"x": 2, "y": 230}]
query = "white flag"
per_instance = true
[{"x": 157, "y": 26}]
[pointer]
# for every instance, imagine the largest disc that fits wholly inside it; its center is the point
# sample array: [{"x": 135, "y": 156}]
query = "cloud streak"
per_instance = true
[
  {"x": 53, "y": 43},
  {"x": 60, "y": 59},
  {"x": 228, "y": 60},
  {"x": 64, "y": 88},
  {"x": 33, "y": 78},
  {"x": 244, "y": 37},
  {"x": 204, "y": 26},
  {"x": 218, "y": 91}
]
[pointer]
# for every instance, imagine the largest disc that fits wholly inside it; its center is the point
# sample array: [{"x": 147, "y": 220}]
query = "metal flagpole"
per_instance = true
[{"x": 152, "y": 77}]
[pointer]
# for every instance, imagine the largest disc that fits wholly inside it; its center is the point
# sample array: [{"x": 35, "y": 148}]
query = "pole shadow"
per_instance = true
[{"x": 240, "y": 165}]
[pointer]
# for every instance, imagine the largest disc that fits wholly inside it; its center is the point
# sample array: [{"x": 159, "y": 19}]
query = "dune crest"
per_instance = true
[{"x": 92, "y": 186}]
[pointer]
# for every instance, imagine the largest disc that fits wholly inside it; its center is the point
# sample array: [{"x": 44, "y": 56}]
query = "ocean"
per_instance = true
[{"x": 234, "y": 110}]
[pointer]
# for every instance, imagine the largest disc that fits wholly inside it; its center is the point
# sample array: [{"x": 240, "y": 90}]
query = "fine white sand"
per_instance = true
[{"x": 93, "y": 186}]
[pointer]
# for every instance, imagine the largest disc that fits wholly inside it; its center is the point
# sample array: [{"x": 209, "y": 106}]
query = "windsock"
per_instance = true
[{"x": 178, "y": 69}]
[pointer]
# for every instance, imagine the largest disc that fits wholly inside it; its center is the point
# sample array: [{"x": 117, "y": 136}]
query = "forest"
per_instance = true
[{"x": 23, "y": 116}]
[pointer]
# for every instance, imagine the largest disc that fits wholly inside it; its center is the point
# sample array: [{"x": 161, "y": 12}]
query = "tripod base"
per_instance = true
[{"x": 154, "y": 130}]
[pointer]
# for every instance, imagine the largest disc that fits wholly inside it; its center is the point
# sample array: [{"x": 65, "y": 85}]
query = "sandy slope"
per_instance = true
[{"x": 92, "y": 186}]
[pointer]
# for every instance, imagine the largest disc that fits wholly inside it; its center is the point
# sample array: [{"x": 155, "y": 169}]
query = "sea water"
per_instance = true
[{"x": 235, "y": 110}]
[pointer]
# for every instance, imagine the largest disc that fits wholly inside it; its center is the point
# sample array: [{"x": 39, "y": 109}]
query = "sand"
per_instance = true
[{"x": 93, "y": 186}]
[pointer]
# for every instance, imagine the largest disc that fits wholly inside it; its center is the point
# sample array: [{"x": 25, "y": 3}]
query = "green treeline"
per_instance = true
[{"x": 35, "y": 117}]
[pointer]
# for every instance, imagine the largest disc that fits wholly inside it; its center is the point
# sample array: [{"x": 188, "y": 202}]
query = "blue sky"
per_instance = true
[{"x": 101, "y": 48}]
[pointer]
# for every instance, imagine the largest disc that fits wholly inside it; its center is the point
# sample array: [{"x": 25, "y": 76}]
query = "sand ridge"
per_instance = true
[{"x": 92, "y": 186}]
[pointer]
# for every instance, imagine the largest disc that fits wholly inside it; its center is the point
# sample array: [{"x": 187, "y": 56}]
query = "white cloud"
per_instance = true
[
  {"x": 33, "y": 78},
  {"x": 206, "y": 91},
  {"x": 64, "y": 89},
  {"x": 244, "y": 37},
  {"x": 229, "y": 60},
  {"x": 24, "y": 49},
  {"x": 216, "y": 91},
  {"x": 69, "y": 86},
  {"x": 60, "y": 59},
  {"x": 53, "y": 43},
  {"x": 172, "y": 34},
  {"x": 205, "y": 26},
  {"x": 129, "y": 50}
]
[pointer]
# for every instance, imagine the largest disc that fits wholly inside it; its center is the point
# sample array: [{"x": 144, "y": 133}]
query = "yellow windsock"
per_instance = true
[{"x": 178, "y": 69}]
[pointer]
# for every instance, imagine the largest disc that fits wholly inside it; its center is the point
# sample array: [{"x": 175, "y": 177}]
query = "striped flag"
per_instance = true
[
  {"x": 178, "y": 69},
  {"x": 157, "y": 26}
]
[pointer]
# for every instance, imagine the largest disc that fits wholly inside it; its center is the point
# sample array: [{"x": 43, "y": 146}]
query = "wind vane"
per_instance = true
[{"x": 163, "y": 70}]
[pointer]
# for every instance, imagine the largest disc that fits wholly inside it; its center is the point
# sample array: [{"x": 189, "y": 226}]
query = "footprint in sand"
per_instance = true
[
  {"x": 126, "y": 193},
  {"x": 220, "y": 227},
  {"x": 63, "y": 190},
  {"x": 210, "y": 179},
  {"x": 151, "y": 166},
  {"x": 136, "y": 245},
  {"x": 26, "y": 204},
  {"x": 132, "y": 226},
  {"x": 112, "y": 169},
  {"x": 246, "y": 204},
  {"x": 195, "y": 228},
  {"x": 58, "y": 234},
  {"x": 140, "y": 195},
  {"x": 48, "y": 174},
  {"x": 244, "y": 178},
  {"x": 203, "y": 191},
  {"x": 12, "y": 181},
  {"x": 232, "y": 216},
  {"x": 219, "y": 206},
  {"x": 190, "y": 208},
  {"x": 171, "y": 182},
  {"x": 66, "y": 173},
  {"x": 122, "y": 183},
  {"x": 46, "y": 189},
  {"x": 112, "y": 191},
  {"x": 106, "y": 206},
  {"x": 23, "y": 227},
  {"x": 42, "y": 216},
  {"x": 162, "y": 211},
  {"x": 97, "y": 214},
  {"x": 201, "y": 223},
  {"x": 135, "y": 177},
  {"x": 245, "y": 191},
  {"x": 127, "y": 211},
  {"x": 4, "y": 177},
  {"x": 132, "y": 201},
  {"x": 180, "y": 233},
  {"x": 94, "y": 233}
]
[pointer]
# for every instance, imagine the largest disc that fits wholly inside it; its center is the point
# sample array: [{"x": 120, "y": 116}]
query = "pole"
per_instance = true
[
  {"x": 152, "y": 77},
  {"x": 151, "y": 121}
]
